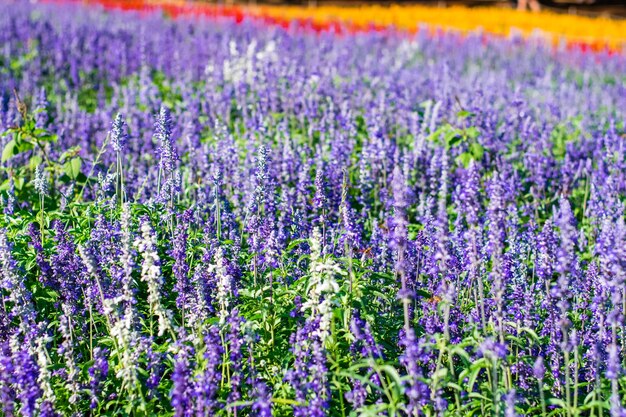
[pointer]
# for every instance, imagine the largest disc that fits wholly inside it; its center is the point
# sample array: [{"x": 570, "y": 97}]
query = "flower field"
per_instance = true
[{"x": 236, "y": 214}]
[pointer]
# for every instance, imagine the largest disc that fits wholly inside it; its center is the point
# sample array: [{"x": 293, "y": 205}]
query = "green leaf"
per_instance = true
[
  {"x": 464, "y": 159},
  {"x": 395, "y": 377},
  {"x": 452, "y": 138},
  {"x": 70, "y": 153},
  {"x": 558, "y": 402},
  {"x": 478, "y": 395},
  {"x": 23, "y": 146},
  {"x": 18, "y": 182},
  {"x": 464, "y": 114},
  {"x": 5, "y": 185},
  {"x": 595, "y": 404},
  {"x": 472, "y": 132},
  {"x": 462, "y": 353},
  {"x": 47, "y": 138},
  {"x": 72, "y": 167},
  {"x": 440, "y": 374},
  {"x": 477, "y": 150},
  {"x": 34, "y": 162},
  {"x": 9, "y": 150},
  {"x": 475, "y": 369},
  {"x": 454, "y": 386}
]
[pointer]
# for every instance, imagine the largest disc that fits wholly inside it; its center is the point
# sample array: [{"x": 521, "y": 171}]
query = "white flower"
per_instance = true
[
  {"x": 224, "y": 283},
  {"x": 151, "y": 274},
  {"x": 43, "y": 361},
  {"x": 322, "y": 287}
]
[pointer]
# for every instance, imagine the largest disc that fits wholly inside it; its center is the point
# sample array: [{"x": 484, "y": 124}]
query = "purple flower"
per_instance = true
[
  {"x": 207, "y": 384},
  {"x": 357, "y": 395},
  {"x": 364, "y": 343},
  {"x": 262, "y": 406},
  {"x": 163, "y": 133},
  {"x": 41, "y": 111},
  {"x": 261, "y": 176},
  {"x": 98, "y": 372},
  {"x": 308, "y": 375},
  {"x": 46, "y": 270},
  {"x": 7, "y": 380},
  {"x": 118, "y": 134},
  {"x": 26, "y": 376},
  {"x": 509, "y": 402},
  {"x": 182, "y": 392},
  {"x": 492, "y": 350},
  {"x": 156, "y": 367},
  {"x": 539, "y": 369},
  {"x": 417, "y": 392},
  {"x": 180, "y": 269},
  {"x": 614, "y": 369}
]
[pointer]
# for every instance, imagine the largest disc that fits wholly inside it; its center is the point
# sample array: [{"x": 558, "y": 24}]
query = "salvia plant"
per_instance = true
[{"x": 237, "y": 219}]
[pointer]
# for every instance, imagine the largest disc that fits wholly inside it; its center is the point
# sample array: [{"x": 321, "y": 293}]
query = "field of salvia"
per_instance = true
[{"x": 215, "y": 217}]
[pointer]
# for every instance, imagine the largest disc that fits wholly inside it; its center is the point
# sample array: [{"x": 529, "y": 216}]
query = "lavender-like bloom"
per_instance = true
[
  {"x": 262, "y": 406},
  {"x": 67, "y": 267},
  {"x": 46, "y": 270},
  {"x": 41, "y": 181},
  {"x": 41, "y": 111},
  {"x": 46, "y": 409},
  {"x": 617, "y": 410},
  {"x": 364, "y": 342},
  {"x": 26, "y": 376},
  {"x": 97, "y": 374},
  {"x": 224, "y": 284},
  {"x": 261, "y": 177},
  {"x": 469, "y": 194},
  {"x": 118, "y": 135},
  {"x": 351, "y": 230},
  {"x": 614, "y": 369},
  {"x": 66, "y": 349},
  {"x": 417, "y": 392},
  {"x": 322, "y": 287},
  {"x": 48, "y": 396},
  {"x": 10, "y": 202},
  {"x": 308, "y": 374},
  {"x": 156, "y": 367},
  {"x": 399, "y": 238},
  {"x": 7, "y": 381},
  {"x": 539, "y": 369},
  {"x": 495, "y": 248},
  {"x": 492, "y": 350},
  {"x": 565, "y": 257},
  {"x": 235, "y": 349},
  {"x": 163, "y": 133},
  {"x": 509, "y": 401},
  {"x": 357, "y": 395},
  {"x": 180, "y": 268},
  {"x": 208, "y": 382},
  {"x": 182, "y": 393},
  {"x": 13, "y": 282}
]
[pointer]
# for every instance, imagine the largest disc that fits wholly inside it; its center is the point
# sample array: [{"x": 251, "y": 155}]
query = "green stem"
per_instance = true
[{"x": 543, "y": 398}]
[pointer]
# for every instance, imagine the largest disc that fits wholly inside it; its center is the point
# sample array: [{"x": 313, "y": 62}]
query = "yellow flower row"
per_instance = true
[
  {"x": 594, "y": 32},
  {"x": 499, "y": 21}
]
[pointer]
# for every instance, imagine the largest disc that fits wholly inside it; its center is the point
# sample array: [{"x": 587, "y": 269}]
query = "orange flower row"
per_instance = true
[
  {"x": 500, "y": 21},
  {"x": 587, "y": 34}
]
